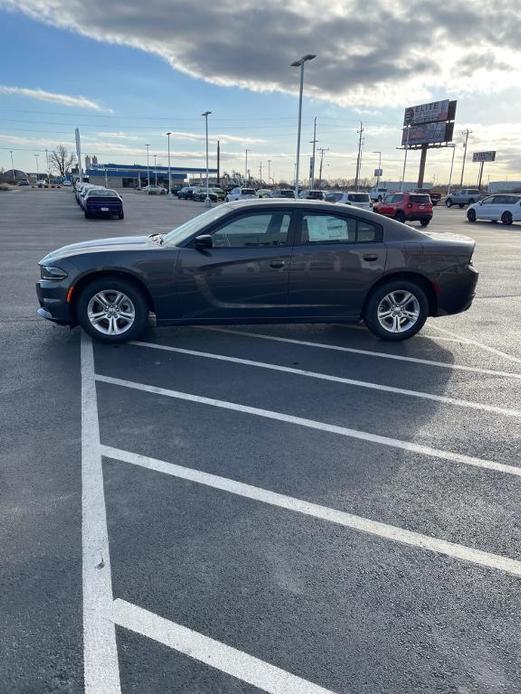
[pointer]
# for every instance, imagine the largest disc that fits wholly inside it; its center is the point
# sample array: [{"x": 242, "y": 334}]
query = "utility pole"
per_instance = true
[
  {"x": 451, "y": 167},
  {"x": 207, "y": 202},
  {"x": 466, "y": 132},
  {"x": 155, "y": 169},
  {"x": 148, "y": 165},
  {"x": 405, "y": 158},
  {"x": 12, "y": 166},
  {"x": 169, "y": 174},
  {"x": 313, "y": 142},
  {"x": 322, "y": 150},
  {"x": 359, "y": 157},
  {"x": 269, "y": 171},
  {"x": 246, "y": 165},
  {"x": 218, "y": 162},
  {"x": 260, "y": 173}
]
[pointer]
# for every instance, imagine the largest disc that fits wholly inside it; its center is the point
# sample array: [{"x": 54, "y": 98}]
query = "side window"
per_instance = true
[
  {"x": 324, "y": 228},
  {"x": 254, "y": 230},
  {"x": 327, "y": 228}
]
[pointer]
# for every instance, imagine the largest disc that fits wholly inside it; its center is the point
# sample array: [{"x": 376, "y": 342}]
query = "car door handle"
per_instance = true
[
  {"x": 370, "y": 256},
  {"x": 277, "y": 263}
]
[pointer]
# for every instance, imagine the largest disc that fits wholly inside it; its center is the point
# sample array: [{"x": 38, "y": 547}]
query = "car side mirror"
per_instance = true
[{"x": 203, "y": 241}]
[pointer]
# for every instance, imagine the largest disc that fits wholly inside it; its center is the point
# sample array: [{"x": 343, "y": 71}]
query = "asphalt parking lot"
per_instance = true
[{"x": 289, "y": 509}]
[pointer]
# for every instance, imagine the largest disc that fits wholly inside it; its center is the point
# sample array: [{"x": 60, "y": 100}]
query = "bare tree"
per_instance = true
[{"x": 61, "y": 160}]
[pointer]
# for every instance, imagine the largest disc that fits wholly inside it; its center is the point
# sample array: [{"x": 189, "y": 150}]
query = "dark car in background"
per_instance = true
[
  {"x": 434, "y": 195},
  {"x": 261, "y": 261},
  {"x": 406, "y": 207},
  {"x": 101, "y": 202},
  {"x": 186, "y": 193}
]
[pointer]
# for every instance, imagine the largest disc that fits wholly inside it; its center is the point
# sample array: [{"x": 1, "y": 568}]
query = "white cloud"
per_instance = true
[
  {"x": 399, "y": 52},
  {"x": 62, "y": 99}
]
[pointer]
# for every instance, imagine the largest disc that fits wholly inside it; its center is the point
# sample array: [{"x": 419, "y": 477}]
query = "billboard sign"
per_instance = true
[
  {"x": 435, "y": 112},
  {"x": 428, "y": 133},
  {"x": 484, "y": 156}
]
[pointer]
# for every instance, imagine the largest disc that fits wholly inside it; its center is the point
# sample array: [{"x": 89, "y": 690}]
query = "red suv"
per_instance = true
[{"x": 406, "y": 207}]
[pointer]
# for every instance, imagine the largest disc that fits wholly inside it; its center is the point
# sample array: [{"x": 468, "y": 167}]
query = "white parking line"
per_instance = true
[
  {"x": 313, "y": 424},
  {"x": 492, "y": 350},
  {"x": 99, "y": 635},
  {"x": 335, "y": 379},
  {"x": 218, "y": 655},
  {"x": 366, "y": 352},
  {"x": 348, "y": 520}
]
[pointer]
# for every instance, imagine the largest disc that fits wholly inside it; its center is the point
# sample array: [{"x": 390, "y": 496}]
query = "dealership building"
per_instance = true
[{"x": 136, "y": 175}]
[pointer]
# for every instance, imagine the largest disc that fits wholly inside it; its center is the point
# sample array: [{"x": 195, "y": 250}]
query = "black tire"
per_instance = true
[
  {"x": 425, "y": 222},
  {"x": 371, "y": 309},
  {"x": 87, "y": 215},
  {"x": 121, "y": 215},
  {"x": 135, "y": 295},
  {"x": 400, "y": 217},
  {"x": 448, "y": 202},
  {"x": 506, "y": 218},
  {"x": 471, "y": 216}
]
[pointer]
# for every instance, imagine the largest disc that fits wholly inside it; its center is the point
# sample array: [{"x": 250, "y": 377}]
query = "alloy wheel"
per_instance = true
[
  {"x": 398, "y": 311},
  {"x": 111, "y": 312}
]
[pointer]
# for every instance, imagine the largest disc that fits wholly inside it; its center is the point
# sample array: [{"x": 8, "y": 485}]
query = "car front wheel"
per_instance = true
[
  {"x": 112, "y": 310},
  {"x": 448, "y": 202},
  {"x": 397, "y": 310},
  {"x": 400, "y": 217},
  {"x": 471, "y": 216}
]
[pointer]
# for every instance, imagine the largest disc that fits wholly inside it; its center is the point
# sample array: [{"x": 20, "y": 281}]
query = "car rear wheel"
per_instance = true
[
  {"x": 424, "y": 222},
  {"x": 397, "y": 310},
  {"x": 112, "y": 310},
  {"x": 121, "y": 215},
  {"x": 448, "y": 202},
  {"x": 506, "y": 218},
  {"x": 471, "y": 216},
  {"x": 400, "y": 217}
]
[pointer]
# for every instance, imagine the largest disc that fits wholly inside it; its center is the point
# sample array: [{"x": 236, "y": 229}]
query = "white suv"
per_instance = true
[
  {"x": 377, "y": 193},
  {"x": 241, "y": 194}
]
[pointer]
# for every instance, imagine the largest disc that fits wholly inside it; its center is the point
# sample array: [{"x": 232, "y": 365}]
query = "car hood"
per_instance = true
[{"x": 118, "y": 243}]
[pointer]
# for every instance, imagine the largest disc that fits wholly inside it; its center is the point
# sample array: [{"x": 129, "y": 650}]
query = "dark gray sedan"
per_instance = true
[{"x": 261, "y": 261}]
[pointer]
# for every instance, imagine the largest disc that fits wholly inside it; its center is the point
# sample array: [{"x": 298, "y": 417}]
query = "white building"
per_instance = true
[{"x": 504, "y": 186}]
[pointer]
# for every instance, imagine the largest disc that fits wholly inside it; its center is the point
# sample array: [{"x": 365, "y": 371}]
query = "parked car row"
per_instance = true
[{"x": 98, "y": 201}]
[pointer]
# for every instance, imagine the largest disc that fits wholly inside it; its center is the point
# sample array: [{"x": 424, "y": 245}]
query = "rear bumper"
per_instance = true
[
  {"x": 52, "y": 297},
  {"x": 458, "y": 294}
]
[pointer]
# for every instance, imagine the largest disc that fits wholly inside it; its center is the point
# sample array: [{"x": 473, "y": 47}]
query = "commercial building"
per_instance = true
[
  {"x": 136, "y": 175},
  {"x": 504, "y": 186}
]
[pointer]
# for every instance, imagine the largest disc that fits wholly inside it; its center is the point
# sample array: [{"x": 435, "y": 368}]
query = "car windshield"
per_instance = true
[
  {"x": 358, "y": 197},
  {"x": 248, "y": 191},
  {"x": 420, "y": 198},
  {"x": 179, "y": 234},
  {"x": 314, "y": 195}
]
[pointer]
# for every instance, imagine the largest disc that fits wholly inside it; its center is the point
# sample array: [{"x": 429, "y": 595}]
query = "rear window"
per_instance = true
[
  {"x": 358, "y": 197},
  {"x": 248, "y": 191},
  {"x": 287, "y": 194},
  {"x": 334, "y": 197},
  {"x": 420, "y": 198},
  {"x": 314, "y": 195},
  {"x": 103, "y": 194}
]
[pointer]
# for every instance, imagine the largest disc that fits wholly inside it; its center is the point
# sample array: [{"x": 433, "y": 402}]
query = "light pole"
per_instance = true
[
  {"x": 300, "y": 63},
  {"x": 451, "y": 167},
  {"x": 148, "y": 165},
  {"x": 269, "y": 170},
  {"x": 36, "y": 156},
  {"x": 246, "y": 166},
  {"x": 12, "y": 166},
  {"x": 155, "y": 169},
  {"x": 405, "y": 159},
  {"x": 466, "y": 132},
  {"x": 48, "y": 170},
  {"x": 169, "y": 179},
  {"x": 207, "y": 202},
  {"x": 379, "y": 168}
]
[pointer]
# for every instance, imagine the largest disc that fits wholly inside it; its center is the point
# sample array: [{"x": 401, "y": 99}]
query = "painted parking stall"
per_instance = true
[{"x": 209, "y": 470}]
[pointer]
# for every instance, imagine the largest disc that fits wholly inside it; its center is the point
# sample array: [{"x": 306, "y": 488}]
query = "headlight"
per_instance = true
[{"x": 50, "y": 272}]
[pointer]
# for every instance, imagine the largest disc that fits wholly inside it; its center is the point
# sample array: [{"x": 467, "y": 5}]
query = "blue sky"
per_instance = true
[{"x": 153, "y": 73}]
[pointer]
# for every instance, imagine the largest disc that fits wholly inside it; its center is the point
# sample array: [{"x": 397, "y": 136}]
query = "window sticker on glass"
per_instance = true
[{"x": 325, "y": 228}]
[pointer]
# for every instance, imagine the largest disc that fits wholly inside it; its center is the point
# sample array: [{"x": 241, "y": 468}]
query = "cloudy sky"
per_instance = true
[{"x": 126, "y": 71}]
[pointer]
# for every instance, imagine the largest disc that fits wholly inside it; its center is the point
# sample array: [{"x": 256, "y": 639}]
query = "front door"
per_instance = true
[
  {"x": 244, "y": 275},
  {"x": 336, "y": 259},
  {"x": 487, "y": 208}
]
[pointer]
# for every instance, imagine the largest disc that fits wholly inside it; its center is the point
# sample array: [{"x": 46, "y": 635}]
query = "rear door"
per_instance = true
[
  {"x": 243, "y": 276},
  {"x": 336, "y": 259}
]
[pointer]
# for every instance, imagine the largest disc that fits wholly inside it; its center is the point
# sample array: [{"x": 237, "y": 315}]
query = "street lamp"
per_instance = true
[
  {"x": 169, "y": 179},
  {"x": 300, "y": 63},
  {"x": 269, "y": 170},
  {"x": 207, "y": 202},
  {"x": 451, "y": 168},
  {"x": 48, "y": 169},
  {"x": 148, "y": 165},
  {"x": 155, "y": 169},
  {"x": 12, "y": 166},
  {"x": 36, "y": 156},
  {"x": 246, "y": 178},
  {"x": 379, "y": 168}
]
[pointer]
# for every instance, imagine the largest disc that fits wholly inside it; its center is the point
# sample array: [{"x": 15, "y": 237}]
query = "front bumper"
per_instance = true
[{"x": 52, "y": 297}]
